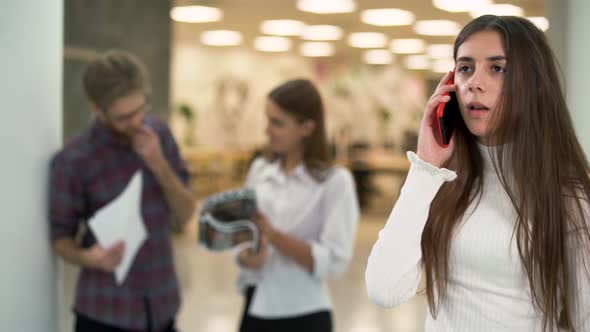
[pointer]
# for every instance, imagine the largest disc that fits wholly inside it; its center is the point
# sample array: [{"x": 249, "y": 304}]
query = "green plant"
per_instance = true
[
  {"x": 186, "y": 111},
  {"x": 383, "y": 113},
  {"x": 189, "y": 116}
]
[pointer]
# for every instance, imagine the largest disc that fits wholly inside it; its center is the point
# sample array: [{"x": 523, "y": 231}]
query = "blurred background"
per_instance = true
[{"x": 211, "y": 63}]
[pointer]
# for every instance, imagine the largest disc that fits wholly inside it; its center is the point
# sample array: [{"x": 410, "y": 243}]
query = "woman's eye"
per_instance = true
[
  {"x": 498, "y": 69},
  {"x": 464, "y": 69}
]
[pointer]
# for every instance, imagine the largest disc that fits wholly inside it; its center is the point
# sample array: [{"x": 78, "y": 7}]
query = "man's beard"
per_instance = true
[{"x": 121, "y": 136}]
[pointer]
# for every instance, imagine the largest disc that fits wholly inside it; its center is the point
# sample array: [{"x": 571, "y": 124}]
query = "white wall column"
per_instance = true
[
  {"x": 30, "y": 132},
  {"x": 568, "y": 35}
]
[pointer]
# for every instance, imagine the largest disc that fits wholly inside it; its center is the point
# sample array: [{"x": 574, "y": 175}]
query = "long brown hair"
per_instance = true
[
  {"x": 543, "y": 170},
  {"x": 301, "y": 99}
]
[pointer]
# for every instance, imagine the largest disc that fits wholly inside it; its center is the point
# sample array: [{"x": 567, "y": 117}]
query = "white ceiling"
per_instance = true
[{"x": 246, "y": 15}]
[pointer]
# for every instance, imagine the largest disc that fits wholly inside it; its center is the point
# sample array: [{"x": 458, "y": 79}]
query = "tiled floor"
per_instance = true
[{"x": 211, "y": 302}]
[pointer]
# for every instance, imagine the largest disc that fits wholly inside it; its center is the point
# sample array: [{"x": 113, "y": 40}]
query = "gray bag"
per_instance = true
[{"x": 224, "y": 221}]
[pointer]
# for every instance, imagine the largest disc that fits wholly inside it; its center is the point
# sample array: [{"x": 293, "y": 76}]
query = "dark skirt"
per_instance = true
[{"x": 320, "y": 321}]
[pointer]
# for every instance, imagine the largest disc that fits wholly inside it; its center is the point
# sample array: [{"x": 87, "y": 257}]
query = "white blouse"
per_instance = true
[
  {"x": 488, "y": 288},
  {"x": 324, "y": 214}
]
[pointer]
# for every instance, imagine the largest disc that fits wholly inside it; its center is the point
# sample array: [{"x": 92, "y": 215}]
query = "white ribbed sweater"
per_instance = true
[{"x": 488, "y": 289}]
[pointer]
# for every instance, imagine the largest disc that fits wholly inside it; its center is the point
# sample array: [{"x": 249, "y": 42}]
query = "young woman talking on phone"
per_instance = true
[{"x": 498, "y": 221}]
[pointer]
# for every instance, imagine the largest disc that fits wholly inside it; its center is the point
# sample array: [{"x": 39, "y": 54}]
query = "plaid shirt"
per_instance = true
[{"x": 86, "y": 175}]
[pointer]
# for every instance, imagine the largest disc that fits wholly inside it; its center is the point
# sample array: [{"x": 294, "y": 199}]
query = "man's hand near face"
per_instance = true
[{"x": 146, "y": 144}]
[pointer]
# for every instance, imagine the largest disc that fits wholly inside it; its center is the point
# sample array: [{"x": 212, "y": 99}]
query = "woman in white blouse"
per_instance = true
[
  {"x": 498, "y": 221},
  {"x": 308, "y": 214}
]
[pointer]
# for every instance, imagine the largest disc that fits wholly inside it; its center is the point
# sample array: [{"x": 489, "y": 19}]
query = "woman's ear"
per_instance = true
[{"x": 308, "y": 127}]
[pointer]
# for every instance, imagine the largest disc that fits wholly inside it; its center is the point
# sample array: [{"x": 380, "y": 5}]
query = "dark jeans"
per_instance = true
[
  {"x": 85, "y": 324},
  {"x": 315, "y": 322}
]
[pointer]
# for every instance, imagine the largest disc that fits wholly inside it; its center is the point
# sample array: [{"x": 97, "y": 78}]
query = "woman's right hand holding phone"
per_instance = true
[{"x": 429, "y": 150}]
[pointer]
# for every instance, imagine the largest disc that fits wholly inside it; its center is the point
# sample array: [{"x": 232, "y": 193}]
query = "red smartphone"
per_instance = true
[{"x": 445, "y": 118}]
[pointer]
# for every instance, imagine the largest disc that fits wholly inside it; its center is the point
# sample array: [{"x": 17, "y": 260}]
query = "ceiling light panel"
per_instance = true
[
  {"x": 407, "y": 46},
  {"x": 272, "y": 44},
  {"x": 221, "y": 38},
  {"x": 378, "y": 57},
  {"x": 440, "y": 51},
  {"x": 316, "y": 49},
  {"x": 456, "y": 6},
  {"x": 282, "y": 27},
  {"x": 498, "y": 9},
  {"x": 387, "y": 17},
  {"x": 195, "y": 14},
  {"x": 367, "y": 39},
  {"x": 540, "y": 21},
  {"x": 419, "y": 62},
  {"x": 322, "y": 32},
  {"x": 326, "y": 6},
  {"x": 437, "y": 28},
  {"x": 443, "y": 65}
]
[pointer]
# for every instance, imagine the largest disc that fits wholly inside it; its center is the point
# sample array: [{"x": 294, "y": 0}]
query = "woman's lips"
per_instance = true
[{"x": 477, "y": 109}]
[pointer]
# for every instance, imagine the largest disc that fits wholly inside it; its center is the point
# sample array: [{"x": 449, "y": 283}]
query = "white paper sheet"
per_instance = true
[{"x": 121, "y": 220}]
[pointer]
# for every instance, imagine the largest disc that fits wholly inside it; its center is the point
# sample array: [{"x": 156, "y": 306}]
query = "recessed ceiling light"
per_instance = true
[
  {"x": 387, "y": 17},
  {"x": 497, "y": 9},
  {"x": 407, "y": 46},
  {"x": 378, "y": 57},
  {"x": 272, "y": 44},
  {"x": 443, "y": 65},
  {"x": 367, "y": 39},
  {"x": 282, "y": 27},
  {"x": 221, "y": 38},
  {"x": 419, "y": 62},
  {"x": 326, "y": 6},
  {"x": 316, "y": 49},
  {"x": 540, "y": 21},
  {"x": 195, "y": 14},
  {"x": 455, "y": 6},
  {"x": 440, "y": 50},
  {"x": 437, "y": 28},
  {"x": 322, "y": 32}
]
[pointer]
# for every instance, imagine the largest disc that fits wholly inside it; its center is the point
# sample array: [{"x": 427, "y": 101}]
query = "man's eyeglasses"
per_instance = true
[{"x": 145, "y": 108}]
